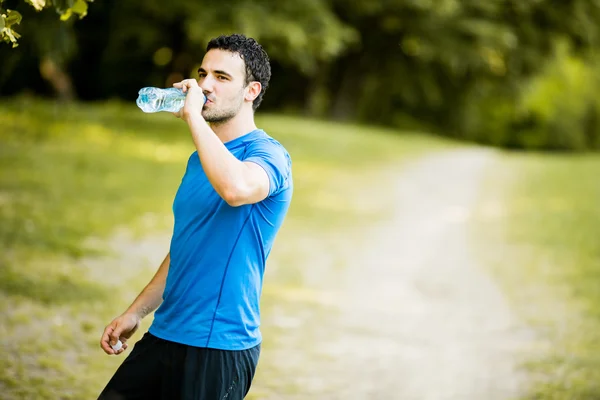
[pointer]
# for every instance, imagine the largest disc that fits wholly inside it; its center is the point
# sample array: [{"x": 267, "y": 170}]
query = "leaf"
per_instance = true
[
  {"x": 13, "y": 18},
  {"x": 80, "y": 7},
  {"x": 37, "y": 4},
  {"x": 6, "y": 33},
  {"x": 11, "y": 35},
  {"x": 66, "y": 15}
]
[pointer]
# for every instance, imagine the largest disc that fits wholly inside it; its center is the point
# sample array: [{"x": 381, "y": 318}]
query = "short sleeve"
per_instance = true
[{"x": 274, "y": 159}]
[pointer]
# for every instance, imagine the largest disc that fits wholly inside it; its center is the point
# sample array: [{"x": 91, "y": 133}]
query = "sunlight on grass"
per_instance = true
[
  {"x": 543, "y": 245},
  {"x": 74, "y": 178},
  {"x": 71, "y": 176}
]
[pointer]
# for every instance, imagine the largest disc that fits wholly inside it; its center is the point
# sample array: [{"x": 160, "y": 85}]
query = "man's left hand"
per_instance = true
[{"x": 194, "y": 100}]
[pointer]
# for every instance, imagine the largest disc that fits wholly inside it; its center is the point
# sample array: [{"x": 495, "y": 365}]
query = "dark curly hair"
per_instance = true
[{"x": 255, "y": 58}]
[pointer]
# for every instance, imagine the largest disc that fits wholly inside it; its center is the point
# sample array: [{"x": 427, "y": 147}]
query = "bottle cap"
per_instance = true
[{"x": 117, "y": 346}]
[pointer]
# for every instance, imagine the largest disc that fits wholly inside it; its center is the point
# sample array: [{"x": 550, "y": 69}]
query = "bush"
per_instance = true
[{"x": 556, "y": 110}]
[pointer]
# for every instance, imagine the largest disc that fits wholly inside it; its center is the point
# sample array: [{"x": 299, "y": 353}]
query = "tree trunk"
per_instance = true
[
  {"x": 318, "y": 96},
  {"x": 344, "y": 103},
  {"x": 60, "y": 81}
]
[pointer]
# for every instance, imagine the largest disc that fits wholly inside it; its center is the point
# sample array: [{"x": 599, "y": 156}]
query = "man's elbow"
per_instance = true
[
  {"x": 240, "y": 195},
  {"x": 234, "y": 196}
]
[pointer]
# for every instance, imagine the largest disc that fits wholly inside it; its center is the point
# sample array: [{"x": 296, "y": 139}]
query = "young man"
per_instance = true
[{"x": 204, "y": 342}]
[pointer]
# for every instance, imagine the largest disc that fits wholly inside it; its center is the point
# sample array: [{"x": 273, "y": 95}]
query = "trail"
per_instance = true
[
  {"x": 411, "y": 315},
  {"x": 401, "y": 310}
]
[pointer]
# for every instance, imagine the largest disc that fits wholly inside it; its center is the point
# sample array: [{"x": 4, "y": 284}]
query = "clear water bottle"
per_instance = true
[{"x": 151, "y": 99}]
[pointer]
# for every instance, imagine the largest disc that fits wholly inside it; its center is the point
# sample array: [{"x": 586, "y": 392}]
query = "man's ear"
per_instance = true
[{"x": 253, "y": 91}]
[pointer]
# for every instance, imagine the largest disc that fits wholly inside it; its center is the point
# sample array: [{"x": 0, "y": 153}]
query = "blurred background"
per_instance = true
[{"x": 442, "y": 241}]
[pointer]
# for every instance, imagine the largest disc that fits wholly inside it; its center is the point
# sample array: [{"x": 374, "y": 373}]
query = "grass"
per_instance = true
[
  {"x": 73, "y": 176},
  {"x": 539, "y": 230},
  {"x": 80, "y": 185}
]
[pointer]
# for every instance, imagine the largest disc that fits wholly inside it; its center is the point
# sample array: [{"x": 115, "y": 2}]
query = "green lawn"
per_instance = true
[
  {"x": 72, "y": 176},
  {"x": 540, "y": 232}
]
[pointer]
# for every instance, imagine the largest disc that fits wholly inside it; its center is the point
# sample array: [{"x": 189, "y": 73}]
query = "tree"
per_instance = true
[
  {"x": 432, "y": 58},
  {"x": 51, "y": 39},
  {"x": 439, "y": 61},
  {"x": 65, "y": 8}
]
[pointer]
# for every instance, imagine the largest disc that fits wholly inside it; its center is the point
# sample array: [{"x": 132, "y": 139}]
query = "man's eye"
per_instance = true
[
  {"x": 223, "y": 78},
  {"x": 202, "y": 75}
]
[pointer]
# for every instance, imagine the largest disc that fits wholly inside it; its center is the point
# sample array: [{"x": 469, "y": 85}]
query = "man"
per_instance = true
[{"x": 204, "y": 341}]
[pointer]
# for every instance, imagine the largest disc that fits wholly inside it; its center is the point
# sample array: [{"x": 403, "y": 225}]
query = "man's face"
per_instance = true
[{"x": 222, "y": 78}]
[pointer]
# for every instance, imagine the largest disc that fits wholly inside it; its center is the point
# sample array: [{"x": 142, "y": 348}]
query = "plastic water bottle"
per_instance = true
[{"x": 151, "y": 99}]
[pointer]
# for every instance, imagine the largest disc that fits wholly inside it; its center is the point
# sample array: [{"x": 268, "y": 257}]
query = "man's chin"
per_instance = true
[
  {"x": 208, "y": 115},
  {"x": 215, "y": 119}
]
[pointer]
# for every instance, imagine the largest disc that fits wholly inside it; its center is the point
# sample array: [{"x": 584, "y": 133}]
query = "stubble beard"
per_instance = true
[{"x": 220, "y": 116}]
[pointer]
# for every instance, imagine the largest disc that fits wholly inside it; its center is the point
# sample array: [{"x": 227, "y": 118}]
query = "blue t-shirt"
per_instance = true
[{"x": 218, "y": 252}]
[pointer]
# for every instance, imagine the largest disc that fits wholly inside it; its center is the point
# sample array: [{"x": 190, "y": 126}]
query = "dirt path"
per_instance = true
[
  {"x": 411, "y": 314},
  {"x": 401, "y": 311}
]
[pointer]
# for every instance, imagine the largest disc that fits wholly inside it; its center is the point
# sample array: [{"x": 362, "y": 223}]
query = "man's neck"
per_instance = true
[{"x": 239, "y": 125}]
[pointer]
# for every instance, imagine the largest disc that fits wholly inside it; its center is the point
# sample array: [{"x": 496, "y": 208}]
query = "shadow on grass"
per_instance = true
[{"x": 60, "y": 289}]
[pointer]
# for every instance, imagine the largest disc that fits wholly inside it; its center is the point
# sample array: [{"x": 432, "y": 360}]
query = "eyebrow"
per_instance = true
[{"x": 217, "y": 71}]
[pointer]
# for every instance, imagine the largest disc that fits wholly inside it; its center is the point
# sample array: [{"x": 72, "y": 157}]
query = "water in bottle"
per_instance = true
[{"x": 151, "y": 99}]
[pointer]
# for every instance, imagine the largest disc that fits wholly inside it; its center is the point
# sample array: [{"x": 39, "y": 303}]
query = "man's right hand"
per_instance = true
[{"x": 121, "y": 328}]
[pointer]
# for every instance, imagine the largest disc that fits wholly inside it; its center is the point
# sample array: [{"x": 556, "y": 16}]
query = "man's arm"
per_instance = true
[
  {"x": 125, "y": 325},
  {"x": 151, "y": 297},
  {"x": 237, "y": 182}
]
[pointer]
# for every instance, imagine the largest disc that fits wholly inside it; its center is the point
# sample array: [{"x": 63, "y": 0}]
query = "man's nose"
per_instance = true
[
  {"x": 207, "y": 85},
  {"x": 205, "y": 91}
]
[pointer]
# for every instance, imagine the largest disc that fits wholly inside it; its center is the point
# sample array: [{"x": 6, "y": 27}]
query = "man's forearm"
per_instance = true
[
  {"x": 151, "y": 297},
  {"x": 223, "y": 170}
]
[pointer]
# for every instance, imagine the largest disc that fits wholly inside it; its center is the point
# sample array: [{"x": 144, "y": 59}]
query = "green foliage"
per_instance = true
[
  {"x": 7, "y": 21},
  {"x": 299, "y": 34},
  {"x": 464, "y": 66},
  {"x": 562, "y": 107},
  {"x": 439, "y": 60},
  {"x": 555, "y": 110},
  {"x": 65, "y": 8}
]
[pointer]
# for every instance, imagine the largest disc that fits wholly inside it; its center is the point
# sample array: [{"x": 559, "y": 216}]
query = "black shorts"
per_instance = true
[{"x": 160, "y": 369}]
